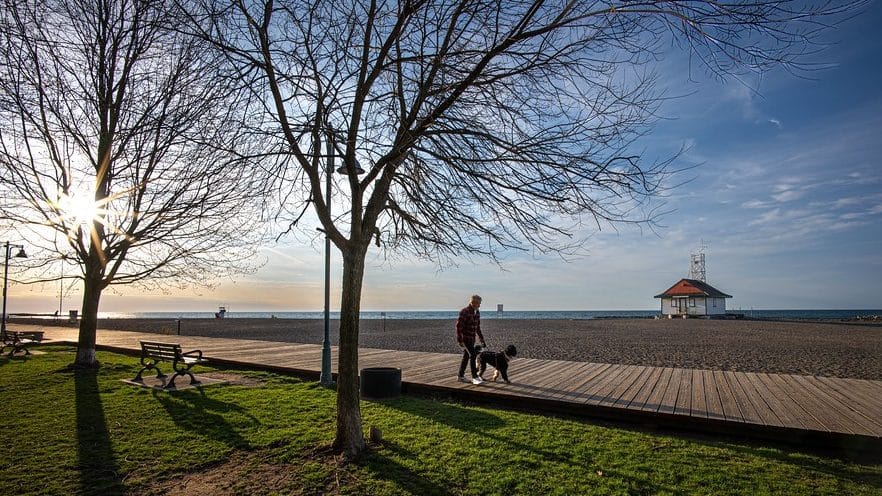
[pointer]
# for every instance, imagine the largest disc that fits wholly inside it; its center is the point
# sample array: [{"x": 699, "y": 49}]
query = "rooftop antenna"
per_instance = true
[{"x": 697, "y": 269}]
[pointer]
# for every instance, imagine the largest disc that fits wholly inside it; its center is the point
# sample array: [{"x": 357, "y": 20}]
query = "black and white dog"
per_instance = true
[{"x": 498, "y": 360}]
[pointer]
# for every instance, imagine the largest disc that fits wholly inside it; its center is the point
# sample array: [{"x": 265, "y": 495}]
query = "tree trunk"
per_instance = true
[
  {"x": 350, "y": 437},
  {"x": 92, "y": 287}
]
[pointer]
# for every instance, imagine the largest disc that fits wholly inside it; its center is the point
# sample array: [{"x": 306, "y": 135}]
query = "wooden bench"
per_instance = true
[
  {"x": 152, "y": 353},
  {"x": 20, "y": 340}
]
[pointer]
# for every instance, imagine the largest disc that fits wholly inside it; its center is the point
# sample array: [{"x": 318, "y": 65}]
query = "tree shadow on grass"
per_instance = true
[
  {"x": 195, "y": 411},
  {"x": 99, "y": 473},
  {"x": 484, "y": 424},
  {"x": 859, "y": 470},
  {"x": 475, "y": 422},
  {"x": 386, "y": 468}
]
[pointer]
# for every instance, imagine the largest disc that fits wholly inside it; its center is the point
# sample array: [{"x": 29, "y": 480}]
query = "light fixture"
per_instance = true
[{"x": 21, "y": 254}]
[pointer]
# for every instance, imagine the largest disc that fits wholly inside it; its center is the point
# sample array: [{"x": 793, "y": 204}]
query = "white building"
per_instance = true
[{"x": 692, "y": 298}]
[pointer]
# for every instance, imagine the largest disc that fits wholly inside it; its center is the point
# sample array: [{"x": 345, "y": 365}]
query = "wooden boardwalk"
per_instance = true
[{"x": 818, "y": 410}]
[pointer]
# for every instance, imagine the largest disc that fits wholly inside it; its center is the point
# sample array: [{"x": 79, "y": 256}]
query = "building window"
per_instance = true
[{"x": 691, "y": 302}]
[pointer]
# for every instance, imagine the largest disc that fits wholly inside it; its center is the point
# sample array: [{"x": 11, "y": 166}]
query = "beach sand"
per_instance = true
[{"x": 832, "y": 349}]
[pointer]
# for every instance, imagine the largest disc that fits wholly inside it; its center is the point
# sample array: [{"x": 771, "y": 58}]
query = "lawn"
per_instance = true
[{"x": 89, "y": 433}]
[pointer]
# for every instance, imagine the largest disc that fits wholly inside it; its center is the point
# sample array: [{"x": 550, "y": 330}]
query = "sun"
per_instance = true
[{"x": 79, "y": 210}]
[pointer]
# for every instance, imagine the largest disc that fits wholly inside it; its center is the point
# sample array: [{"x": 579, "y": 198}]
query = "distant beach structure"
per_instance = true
[
  {"x": 221, "y": 312},
  {"x": 693, "y": 296}
]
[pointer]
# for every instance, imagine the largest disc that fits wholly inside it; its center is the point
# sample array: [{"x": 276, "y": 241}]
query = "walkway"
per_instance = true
[{"x": 817, "y": 410}]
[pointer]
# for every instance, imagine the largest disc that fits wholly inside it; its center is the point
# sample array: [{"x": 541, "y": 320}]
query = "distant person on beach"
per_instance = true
[{"x": 468, "y": 328}]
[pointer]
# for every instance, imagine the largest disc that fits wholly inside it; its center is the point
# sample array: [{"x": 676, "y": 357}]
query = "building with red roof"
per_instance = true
[{"x": 692, "y": 298}]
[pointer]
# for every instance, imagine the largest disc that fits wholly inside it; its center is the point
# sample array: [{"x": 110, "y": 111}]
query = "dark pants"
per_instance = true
[{"x": 468, "y": 356}]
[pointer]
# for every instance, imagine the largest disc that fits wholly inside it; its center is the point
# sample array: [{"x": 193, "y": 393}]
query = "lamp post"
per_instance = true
[
  {"x": 20, "y": 254},
  {"x": 61, "y": 288},
  {"x": 325, "y": 378}
]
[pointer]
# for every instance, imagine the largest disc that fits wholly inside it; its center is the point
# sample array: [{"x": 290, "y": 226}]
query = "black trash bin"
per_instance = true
[{"x": 380, "y": 383}]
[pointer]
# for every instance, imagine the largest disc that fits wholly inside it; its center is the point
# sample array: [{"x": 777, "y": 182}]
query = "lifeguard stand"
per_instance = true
[{"x": 221, "y": 312}]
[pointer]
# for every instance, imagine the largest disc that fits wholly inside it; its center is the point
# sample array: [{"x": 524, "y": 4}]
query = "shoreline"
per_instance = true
[{"x": 844, "y": 349}]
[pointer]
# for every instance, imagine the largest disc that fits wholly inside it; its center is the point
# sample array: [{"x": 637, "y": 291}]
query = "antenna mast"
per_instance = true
[{"x": 697, "y": 264}]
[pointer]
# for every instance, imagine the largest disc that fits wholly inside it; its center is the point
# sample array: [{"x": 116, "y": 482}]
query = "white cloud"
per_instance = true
[{"x": 788, "y": 195}]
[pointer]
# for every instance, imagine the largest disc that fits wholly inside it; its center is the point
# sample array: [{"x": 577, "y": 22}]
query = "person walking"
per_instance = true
[{"x": 468, "y": 328}]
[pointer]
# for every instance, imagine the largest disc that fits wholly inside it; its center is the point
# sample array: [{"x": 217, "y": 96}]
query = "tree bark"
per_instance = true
[
  {"x": 92, "y": 286},
  {"x": 350, "y": 437}
]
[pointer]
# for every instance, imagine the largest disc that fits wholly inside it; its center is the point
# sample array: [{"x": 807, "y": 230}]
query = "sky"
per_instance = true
[{"x": 785, "y": 197}]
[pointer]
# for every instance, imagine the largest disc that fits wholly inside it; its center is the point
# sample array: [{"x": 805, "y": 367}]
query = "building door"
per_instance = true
[{"x": 682, "y": 306}]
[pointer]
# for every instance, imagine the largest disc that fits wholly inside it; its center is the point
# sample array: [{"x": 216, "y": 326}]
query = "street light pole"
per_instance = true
[
  {"x": 326, "y": 379},
  {"x": 20, "y": 254},
  {"x": 61, "y": 288}
]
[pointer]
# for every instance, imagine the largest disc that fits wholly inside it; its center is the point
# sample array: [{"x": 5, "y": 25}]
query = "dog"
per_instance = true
[{"x": 498, "y": 360}]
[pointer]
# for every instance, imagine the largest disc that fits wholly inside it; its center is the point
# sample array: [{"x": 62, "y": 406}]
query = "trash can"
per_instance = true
[
  {"x": 380, "y": 383},
  {"x": 73, "y": 315}
]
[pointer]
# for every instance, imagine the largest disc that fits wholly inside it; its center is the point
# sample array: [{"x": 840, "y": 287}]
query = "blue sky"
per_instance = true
[{"x": 786, "y": 195}]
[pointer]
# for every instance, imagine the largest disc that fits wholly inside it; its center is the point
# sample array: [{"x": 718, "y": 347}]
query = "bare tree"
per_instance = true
[
  {"x": 116, "y": 147},
  {"x": 483, "y": 125}
]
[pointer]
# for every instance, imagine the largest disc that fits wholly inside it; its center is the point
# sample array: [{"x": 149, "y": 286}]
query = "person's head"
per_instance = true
[{"x": 475, "y": 301}]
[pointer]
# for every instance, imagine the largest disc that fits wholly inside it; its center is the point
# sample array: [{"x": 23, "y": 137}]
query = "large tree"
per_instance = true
[
  {"x": 483, "y": 125},
  {"x": 116, "y": 139}
]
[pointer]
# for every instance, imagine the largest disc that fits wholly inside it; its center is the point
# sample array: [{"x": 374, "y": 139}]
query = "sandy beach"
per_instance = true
[{"x": 833, "y": 349}]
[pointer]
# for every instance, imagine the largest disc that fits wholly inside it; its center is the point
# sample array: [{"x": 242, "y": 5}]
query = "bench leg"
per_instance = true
[
  {"x": 193, "y": 381},
  {"x": 149, "y": 366},
  {"x": 15, "y": 348}
]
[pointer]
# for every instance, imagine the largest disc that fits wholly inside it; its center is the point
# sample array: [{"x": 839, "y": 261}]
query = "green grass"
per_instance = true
[{"x": 90, "y": 433}]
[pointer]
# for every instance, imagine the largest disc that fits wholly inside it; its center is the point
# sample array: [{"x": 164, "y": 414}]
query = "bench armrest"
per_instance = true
[{"x": 193, "y": 354}]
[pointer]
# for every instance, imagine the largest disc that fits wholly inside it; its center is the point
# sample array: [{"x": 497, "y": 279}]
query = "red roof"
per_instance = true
[{"x": 692, "y": 287}]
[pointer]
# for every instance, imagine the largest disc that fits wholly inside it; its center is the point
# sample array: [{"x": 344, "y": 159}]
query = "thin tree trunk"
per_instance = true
[
  {"x": 350, "y": 437},
  {"x": 92, "y": 287}
]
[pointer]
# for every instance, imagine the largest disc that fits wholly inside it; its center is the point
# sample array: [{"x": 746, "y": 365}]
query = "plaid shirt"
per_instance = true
[{"x": 468, "y": 325}]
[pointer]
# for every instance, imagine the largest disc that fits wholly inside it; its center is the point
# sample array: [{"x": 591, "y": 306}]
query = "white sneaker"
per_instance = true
[
  {"x": 477, "y": 380},
  {"x": 462, "y": 379}
]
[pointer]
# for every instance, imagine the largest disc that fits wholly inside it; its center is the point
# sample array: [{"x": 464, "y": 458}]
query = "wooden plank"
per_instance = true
[
  {"x": 537, "y": 371},
  {"x": 684, "y": 394},
  {"x": 393, "y": 361},
  {"x": 609, "y": 382},
  {"x": 566, "y": 382},
  {"x": 430, "y": 366},
  {"x": 621, "y": 385},
  {"x": 544, "y": 381},
  {"x": 728, "y": 399},
  {"x": 435, "y": 367},
  {"x": 617, "y": 388},
  {"x": 577, "y": 391},
  {"x": 774, "y": 398},
  {"x": 630, "y": 391},
  {"x": 713, "y": 404},
  {"x": 753, "y": 405},
  {"x": 654, "y": 400},
  {"x": 668, "y": 403},
  {"x": 807, "y": 397},
  {"x": 790, "y": 402},
  {"x": 589, "y": 393},
  {"x": 870, "y": 422},
  {"x": 698, "y": 407},
  {"x": 856, "y": 391},
  {"x": 646, "y": 387}
]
